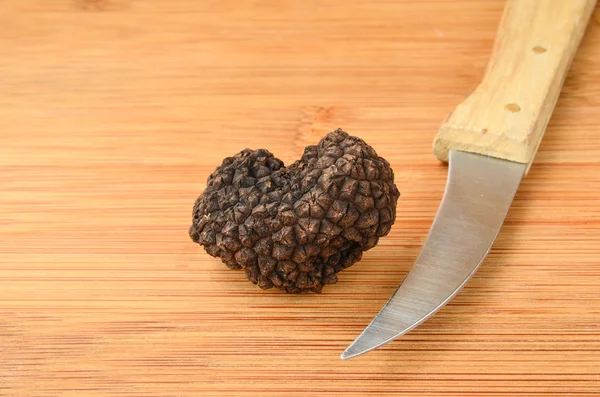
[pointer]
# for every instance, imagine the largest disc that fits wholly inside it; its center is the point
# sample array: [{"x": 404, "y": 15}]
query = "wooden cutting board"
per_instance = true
[{"x": 114, "y": 112}]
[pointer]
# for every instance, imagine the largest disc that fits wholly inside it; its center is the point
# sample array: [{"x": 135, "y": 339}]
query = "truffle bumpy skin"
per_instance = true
[{"x": 295, "y": 227}]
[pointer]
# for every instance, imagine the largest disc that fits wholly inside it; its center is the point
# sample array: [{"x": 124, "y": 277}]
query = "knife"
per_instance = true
[{"x": 489, "y": 140}]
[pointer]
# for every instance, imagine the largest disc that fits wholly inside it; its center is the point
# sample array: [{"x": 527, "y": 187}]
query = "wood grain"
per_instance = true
[{"x": 114, "y": 112}]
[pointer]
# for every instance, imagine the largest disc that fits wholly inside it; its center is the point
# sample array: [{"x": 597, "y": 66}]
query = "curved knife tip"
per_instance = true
[{"x": 350, "y": 353}]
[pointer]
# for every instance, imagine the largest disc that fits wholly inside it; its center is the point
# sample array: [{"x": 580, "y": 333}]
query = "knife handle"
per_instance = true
[{"x": 507, "y": 114}]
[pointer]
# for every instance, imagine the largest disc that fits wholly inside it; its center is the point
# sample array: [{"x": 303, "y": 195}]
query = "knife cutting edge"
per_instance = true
[{"x": 489, "y": 140}]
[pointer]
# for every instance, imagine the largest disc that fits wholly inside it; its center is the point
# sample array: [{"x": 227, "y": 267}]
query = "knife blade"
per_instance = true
[
  {"x": 478, "y": 194},
  {"x": 490, "y": 141}
]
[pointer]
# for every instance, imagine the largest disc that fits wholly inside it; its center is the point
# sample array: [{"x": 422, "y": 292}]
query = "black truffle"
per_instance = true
[{"x": 294, "y": 228}]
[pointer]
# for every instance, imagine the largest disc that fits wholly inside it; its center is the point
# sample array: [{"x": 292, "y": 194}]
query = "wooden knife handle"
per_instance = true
[{"x": 507, "y": 114}]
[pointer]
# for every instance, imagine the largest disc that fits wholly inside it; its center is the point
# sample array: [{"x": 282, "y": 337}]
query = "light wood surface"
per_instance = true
[
  {"x": 507, "y": 114},
  {"x": 112, "y": 115}
]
